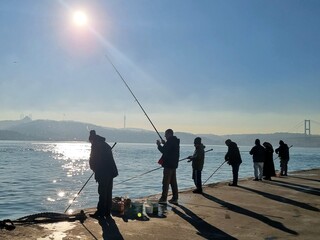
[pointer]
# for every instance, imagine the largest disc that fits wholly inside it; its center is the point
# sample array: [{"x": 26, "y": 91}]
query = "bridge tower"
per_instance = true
[{"x": 307, "y": 127}]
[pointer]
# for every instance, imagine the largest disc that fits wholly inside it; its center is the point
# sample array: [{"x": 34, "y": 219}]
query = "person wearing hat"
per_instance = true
[
  {"x": 102, "y": 163},
  {"x": 233, "y": 158},
  {"x": 197, "y": 164}
]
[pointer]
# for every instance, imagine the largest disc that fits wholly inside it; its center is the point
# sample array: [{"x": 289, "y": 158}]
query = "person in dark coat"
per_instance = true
[
  {"x": 268, "y": 166},
  {"x": 170, "y": 150},
  {"x": 103, "y": 165},
  {"x": 233, "y": 158},
  {"x": 283, "y": 153},
  {"x": 258, "y": 155},
  {"x": 197, "y": 164}
]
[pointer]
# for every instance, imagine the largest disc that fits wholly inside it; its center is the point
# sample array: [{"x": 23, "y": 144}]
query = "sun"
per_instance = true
[{"x": 80, "y": 18}]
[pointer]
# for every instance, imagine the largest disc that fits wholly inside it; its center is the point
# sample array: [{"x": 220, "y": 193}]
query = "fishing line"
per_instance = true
[
  {"x": 83, "y": 186},
  {"x": 152, "y": 170},
  {"x": 214, "y": 172},
  {"x": 125, "y": 83}
]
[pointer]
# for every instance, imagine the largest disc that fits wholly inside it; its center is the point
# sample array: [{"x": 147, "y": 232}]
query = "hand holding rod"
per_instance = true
[
  {"x": 152, "y": 170},
  {"x": 278, "y": 156}
]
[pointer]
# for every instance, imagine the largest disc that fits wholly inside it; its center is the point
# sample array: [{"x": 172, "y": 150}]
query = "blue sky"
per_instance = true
[{"x": 207, "y": 66}]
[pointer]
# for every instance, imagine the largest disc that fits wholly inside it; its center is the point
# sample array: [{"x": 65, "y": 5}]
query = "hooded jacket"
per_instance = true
[
  {"x": 233, "y": 155},
  {"x": 198, "y": 157},
  {"x": 170, "y": 152},
  {"x": 101, "y": 159},
  {"x": 258, "y": 153},
  {"x": 283, "y": 151}
]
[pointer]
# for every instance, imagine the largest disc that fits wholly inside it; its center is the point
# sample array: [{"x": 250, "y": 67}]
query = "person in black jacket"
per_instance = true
[
  {"x": 233, "y": 158},
  {"x": 170, "y": 157},
  {"x": 258, "y": 153},
  {"x": 103, "y": 165},
  {"x": 283, "y": 153}
]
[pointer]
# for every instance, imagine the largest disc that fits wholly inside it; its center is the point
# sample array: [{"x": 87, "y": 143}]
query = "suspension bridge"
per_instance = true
[{"x": 305, "y": 127}]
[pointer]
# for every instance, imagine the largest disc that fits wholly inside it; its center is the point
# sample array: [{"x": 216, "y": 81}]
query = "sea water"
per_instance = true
[{"x": 45, "y": 176}]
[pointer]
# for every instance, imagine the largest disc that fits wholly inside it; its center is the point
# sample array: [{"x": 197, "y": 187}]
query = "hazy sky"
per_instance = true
[{"x": 200, "y": 66}]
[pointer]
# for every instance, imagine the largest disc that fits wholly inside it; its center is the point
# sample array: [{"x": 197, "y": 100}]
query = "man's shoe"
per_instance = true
[
  {"x": 162, "y": 201},
  {"x": 233, "y": 185},
  {"x": 197, "y": 191},
  {"x": 173, "y": 201},
  {"x": 256, "y": 179}
]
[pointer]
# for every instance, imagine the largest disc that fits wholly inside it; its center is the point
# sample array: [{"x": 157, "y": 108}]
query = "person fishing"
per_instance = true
[
  {"x": 197, "y": 160},
  {"x": 233, "y": 158},
  {"x": 283, "y": 153},
  {"x": 103, "y": 165},
  {"x": 170, "y": 150}
]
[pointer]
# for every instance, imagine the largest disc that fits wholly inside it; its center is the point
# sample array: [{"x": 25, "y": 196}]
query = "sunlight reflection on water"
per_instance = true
[{"x": 46, "y": 176}]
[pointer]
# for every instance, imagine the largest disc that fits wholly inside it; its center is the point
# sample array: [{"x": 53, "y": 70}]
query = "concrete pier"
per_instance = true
[{"x": 284, "y": 208}]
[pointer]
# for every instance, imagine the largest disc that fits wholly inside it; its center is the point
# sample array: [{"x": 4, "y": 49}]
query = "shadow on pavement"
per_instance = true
[
  {"x": 282, "y": 199},
  {"x": 240, "y": 210},
  {"x": 205, "y": 229}
]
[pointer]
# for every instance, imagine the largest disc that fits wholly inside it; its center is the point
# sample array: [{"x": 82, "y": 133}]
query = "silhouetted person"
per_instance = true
[
  {"x": 170, "y": 157},
  {"x": 102, "y": 164},
  {"x": 197, "y": 164},
  {"x": 268, "y": 166},
  {"x": 283, "y": 153},
  {"x": 258, "y": 156},
  {"x": 233, "y": 158}
]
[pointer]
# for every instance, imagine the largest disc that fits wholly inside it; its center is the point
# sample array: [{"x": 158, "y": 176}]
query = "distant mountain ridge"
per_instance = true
[{"x": 50, "y": 130}]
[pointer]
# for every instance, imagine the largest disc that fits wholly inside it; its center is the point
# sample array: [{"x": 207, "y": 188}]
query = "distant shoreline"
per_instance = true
[{"x": 49, "y": 130}]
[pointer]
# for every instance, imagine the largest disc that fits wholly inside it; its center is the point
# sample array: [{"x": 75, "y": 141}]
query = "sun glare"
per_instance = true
[{"x": 80, "y": 18}]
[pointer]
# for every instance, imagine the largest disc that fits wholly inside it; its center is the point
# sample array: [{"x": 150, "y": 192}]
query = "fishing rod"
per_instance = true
[
  {"x": 152, "y": 170},
  {"x": 125, "y": 83},
  {"x": 83, "y": 186},
  {"x": 224, "y": 163},
  {"x": 214, "y": 172}
]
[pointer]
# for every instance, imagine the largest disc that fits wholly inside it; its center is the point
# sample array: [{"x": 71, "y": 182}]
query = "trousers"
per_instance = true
[
  {"x": 169, "y": 178},
  {"x": 105, "y": 196}
]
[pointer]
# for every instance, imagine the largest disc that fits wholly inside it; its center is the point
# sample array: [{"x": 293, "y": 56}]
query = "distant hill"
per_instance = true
[{"x": 49, "y": 130}]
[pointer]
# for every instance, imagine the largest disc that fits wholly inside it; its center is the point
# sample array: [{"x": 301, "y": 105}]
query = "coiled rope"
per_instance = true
[{"x": 44, "y": 217}]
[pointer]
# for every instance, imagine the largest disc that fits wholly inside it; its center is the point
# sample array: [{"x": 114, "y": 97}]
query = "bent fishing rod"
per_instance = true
[
  {"x": 125, "y": 83},
  {"x": 152, "y": 170},
  {"x": 83, "y": 187}
]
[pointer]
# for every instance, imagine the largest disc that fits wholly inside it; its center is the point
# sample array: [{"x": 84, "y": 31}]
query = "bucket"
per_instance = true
[
  {"x": 149, "y": 209},
  {"x": 155, "y": 207}
]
